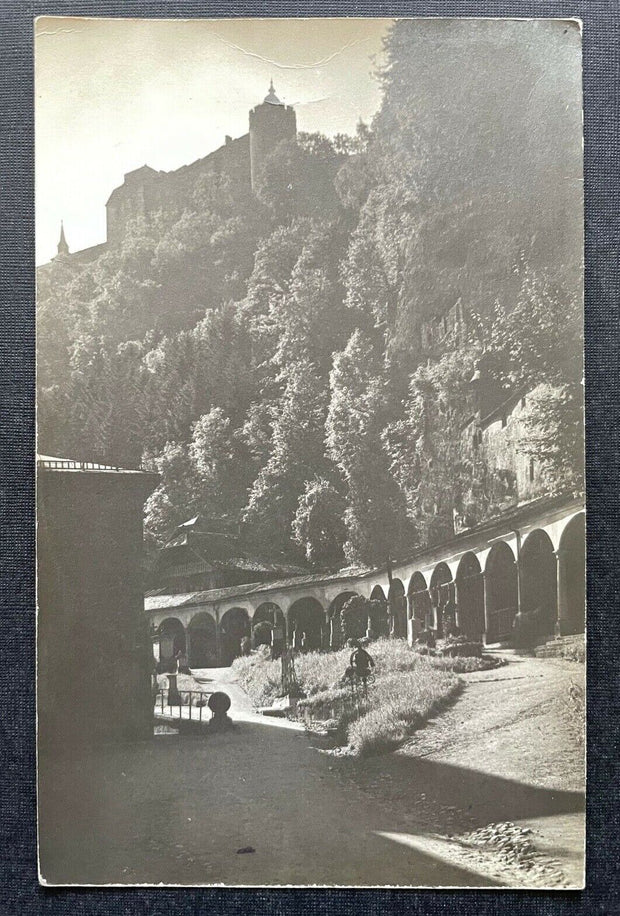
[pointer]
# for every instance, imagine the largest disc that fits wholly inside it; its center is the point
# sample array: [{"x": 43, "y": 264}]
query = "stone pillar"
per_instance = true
[
  {"x": 218, "y": 638},
  {"x": 485, "y": 639},
  {"x": 457, "y": 611},
  {"x": 562, "y": 598},
  {"x": 174, "y": 697},
  {"x": 188, "y": 646},
  {"x": 410, "y": 607},
  {"x": 325, "y": 633},
  {"x": 334, "y": 631},
  {"x": 518, "y": 565}
]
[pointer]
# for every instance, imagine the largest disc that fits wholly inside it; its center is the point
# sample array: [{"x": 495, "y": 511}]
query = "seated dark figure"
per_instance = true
[{"x": 361, "y": 662}]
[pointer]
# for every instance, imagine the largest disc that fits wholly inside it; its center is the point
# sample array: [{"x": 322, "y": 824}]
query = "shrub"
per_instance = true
[
  {"x": 260, "y": 677},
  {"x": 261, "y": 633},
  {"x": 466, "y": 664},
  {"x": 354, "y": 617},
  {"x": 407, "y": 689},
  {"x": 460, "y": 645}
]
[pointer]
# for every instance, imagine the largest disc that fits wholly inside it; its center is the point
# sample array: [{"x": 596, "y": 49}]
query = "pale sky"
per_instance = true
[{"x": 115, "y": 94}]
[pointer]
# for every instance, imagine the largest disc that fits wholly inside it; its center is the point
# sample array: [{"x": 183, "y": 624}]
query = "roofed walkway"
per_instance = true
[{"x": 532, "y": 559}]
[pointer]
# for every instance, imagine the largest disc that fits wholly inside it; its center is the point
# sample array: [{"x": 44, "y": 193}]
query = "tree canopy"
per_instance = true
[{"x": 268, "y": 354}]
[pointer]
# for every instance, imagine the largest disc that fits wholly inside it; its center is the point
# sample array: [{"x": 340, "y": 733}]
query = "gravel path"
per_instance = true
[
  {"x": 264, "y": 803},
  {"x": 179, "y": 810},
  {"x": 498, "y": 778}
]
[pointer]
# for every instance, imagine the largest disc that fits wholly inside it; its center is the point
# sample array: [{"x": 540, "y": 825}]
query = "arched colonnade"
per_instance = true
[{"x": 540, "y": 571}]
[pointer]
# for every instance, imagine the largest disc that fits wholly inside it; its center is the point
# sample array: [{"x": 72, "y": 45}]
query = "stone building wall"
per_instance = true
[
  {"x": 496, "y": 440},
  {"x": 502, "y": 436},
  {"x": 94, "y": 652}
]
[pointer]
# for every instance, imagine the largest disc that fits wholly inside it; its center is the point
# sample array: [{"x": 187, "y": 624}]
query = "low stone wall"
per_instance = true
[{"x": 569, "y": 647}]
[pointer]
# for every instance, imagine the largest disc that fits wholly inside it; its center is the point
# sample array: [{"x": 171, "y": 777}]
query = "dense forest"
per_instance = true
[{"x": 264, "y": 352}]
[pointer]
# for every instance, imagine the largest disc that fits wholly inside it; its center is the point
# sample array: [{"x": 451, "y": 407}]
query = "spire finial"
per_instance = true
[
  {"x": 271, "y": 96},
  {"x": 63, "y": 248}
]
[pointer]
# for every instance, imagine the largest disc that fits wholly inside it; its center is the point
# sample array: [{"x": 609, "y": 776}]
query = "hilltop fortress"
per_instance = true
[{"x": 146, "y": 190}]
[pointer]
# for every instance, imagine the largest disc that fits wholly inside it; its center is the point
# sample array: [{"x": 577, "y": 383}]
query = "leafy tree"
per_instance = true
[
  {"x": 537, "y": 346},
  {"x": 553, "y": 436},
  {"x": 318, "y": 525},
  {"x": 193, "y": 371},
  {"x": 297, "y": 179},
  {"x": 376, "y": 521},
  {"x": 217, "y": 453},
  {"x": 430, "y": 459},
  {"x": 312, "y": 321},
  {"x": 538, "y": 336},
  {"x": 178, "y": 496},
  {"x": 297, "y": 454}
]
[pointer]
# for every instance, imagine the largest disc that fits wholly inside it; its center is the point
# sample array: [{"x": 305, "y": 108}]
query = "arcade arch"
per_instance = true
[
  {"x": 202, "y": 641},
  {"x": 172, "y": 639},
  {"x": 419, "y": 599},
  {"x": 539, "y": 576},
  {"x": 572, "y": 577},
  {"x": 271, "y": 614},
  {"x": 306, "y": 615},
  {"x": 441, "y": 592},
  {"x": 469, "y": 584},
  {"x": 234, "y": 626},
  {"x": 333, "y": 614},
  {"x": 501, "y": 592}
]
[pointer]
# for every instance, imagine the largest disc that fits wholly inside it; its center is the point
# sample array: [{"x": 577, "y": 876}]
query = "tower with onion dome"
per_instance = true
[{"x": 270, "y": 122}]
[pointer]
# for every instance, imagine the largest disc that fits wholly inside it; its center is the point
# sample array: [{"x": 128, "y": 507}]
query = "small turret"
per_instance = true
[{"x": 63, "y": 248}]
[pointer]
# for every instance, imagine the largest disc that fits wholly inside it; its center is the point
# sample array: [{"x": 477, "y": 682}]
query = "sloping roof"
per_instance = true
[
  {"x": 156, "y": 602},
  {"x": 517, "y": 515},
  {"x": 220, "y": 549}
]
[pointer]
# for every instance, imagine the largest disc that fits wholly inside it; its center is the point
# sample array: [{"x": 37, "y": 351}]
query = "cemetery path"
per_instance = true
[
  {"x": 505, "y": 764},
  {"x": 261, "y": 804}
]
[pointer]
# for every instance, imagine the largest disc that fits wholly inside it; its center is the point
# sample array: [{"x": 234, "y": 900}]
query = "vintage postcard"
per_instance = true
[{"x": 311, "y": 515}]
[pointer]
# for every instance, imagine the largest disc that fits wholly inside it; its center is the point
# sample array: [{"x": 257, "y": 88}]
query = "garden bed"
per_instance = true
[{"x": 407, "y": 690}]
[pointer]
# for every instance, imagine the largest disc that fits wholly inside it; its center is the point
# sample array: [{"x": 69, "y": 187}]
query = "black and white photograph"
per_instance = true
[{"x": 310, "y": 452}]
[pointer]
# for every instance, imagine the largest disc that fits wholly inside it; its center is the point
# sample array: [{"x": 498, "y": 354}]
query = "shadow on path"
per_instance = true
[
  {"x": 176, "y": 810},
  {"x": 486, "y": 797}
]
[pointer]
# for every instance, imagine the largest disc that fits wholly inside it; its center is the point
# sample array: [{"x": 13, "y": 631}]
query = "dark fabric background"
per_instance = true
[{"x": 19, "y": 892}]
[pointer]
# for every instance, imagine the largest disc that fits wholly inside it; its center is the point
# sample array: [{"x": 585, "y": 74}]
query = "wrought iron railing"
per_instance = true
[
  {"x": 69, "y": 465},
  {"x": 186, "y": 704}
]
